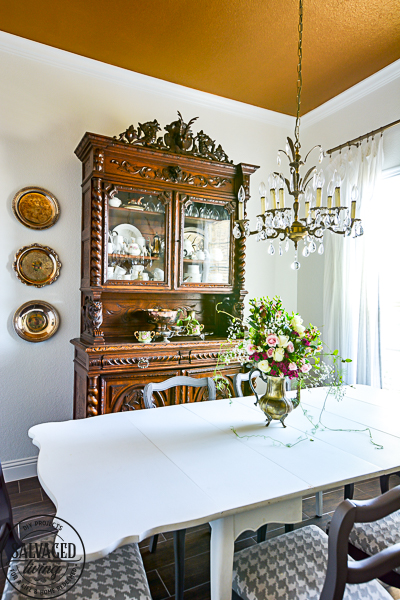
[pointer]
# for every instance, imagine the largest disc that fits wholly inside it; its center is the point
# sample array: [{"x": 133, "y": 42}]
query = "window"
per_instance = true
[{"x": 389, "y": 283}]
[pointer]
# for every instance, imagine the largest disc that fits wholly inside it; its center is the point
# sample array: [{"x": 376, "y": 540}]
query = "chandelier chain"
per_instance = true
[{"x": 299, "y": 73}]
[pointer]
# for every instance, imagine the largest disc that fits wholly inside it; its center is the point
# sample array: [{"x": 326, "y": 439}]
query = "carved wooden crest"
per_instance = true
[{"x": 179, "y": 139}]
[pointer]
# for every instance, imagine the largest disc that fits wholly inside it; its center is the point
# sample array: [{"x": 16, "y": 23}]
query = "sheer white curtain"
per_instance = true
[{"x": 351, "y": 275}]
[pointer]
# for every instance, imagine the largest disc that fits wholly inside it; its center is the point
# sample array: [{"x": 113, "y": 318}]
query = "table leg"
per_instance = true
[
  {"x": 221, "y": 559},
  {"x": 179, "y": 551},
  {"x": 319, "y": 509}
]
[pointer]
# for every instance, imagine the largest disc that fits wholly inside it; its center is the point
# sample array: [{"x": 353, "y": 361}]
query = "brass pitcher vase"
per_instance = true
[{"x": 274, "y": 403}]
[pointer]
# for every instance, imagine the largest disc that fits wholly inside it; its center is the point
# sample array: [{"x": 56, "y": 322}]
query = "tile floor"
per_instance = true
[{"x": 28, "y": 498}]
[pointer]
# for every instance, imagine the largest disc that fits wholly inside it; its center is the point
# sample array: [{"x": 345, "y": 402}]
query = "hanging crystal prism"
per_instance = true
[
  {"x": 280, "y": 251},
  {"x": 321, "y": 248},
  {"x": 271, "y": 249},
  {"x": 295, "y": 264},
  {"x": 287, "y": 246},
  {"x": 236, "y": 232},
  {"x": 259, "y": 224},
  {"x": 278, "y": 159},
  {"x": 306, "y": 251},
  {"x": 312, "y": 246}
]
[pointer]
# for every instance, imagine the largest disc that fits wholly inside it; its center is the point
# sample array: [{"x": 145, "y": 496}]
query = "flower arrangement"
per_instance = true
[{"x": 278, "y": 343}]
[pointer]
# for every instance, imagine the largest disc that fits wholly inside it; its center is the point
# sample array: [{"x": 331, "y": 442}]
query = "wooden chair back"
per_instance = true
[
  {"x": 340, "y": 571},
  {"x": 180, "y": 380}
]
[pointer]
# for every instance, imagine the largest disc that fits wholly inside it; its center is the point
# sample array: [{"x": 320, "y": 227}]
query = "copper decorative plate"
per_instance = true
[
  {"x": 37, "y": 265},
  {"x": 36, "y": 321},
  {"x": 36, "y": 208}
]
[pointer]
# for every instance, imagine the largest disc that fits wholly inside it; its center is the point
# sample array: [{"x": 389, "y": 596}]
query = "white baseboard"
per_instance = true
[{"x": 20, "y": 469}]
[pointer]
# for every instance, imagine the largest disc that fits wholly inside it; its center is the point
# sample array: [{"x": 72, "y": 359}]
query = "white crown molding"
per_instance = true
[
  {"x": 62, "y": 59},
  {"x": 353, "y": 94},
  {"x": 19, "y": 469}
]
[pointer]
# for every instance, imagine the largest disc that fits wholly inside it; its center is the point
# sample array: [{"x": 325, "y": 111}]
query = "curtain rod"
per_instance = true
[{"x": 356, "y": 141}]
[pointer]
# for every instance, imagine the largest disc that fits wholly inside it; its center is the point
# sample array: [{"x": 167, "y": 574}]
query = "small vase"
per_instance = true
[{"x": 274, "y": 403}]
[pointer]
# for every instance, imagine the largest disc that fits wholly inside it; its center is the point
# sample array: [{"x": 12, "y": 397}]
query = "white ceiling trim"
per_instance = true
[
  {"x": 28, "y": 49},
  {"x": 353, "y": 94}
]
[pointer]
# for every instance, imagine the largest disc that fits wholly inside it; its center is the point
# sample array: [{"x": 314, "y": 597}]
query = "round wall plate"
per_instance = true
[
  {"x": 37, "y": 265},
  {"x": 36, "y": 208},
  {"x": 36, "y": 321}
]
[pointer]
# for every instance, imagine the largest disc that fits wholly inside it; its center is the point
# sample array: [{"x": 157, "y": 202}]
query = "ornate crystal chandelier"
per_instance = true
[{"x": 283, "y": 223}]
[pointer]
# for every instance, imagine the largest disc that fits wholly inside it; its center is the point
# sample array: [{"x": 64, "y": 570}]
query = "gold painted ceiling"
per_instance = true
[{"x": 240, "y": 49}]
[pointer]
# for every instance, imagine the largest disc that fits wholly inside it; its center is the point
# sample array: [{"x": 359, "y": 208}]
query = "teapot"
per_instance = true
[{"x": 134, "y": 249}]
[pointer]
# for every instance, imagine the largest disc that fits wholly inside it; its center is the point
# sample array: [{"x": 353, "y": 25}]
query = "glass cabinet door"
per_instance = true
[
  {"x": 207, "y": 244},
  {"x": 136, "y": 240}
]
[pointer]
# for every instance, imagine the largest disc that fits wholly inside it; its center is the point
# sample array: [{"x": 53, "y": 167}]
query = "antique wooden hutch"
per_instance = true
[{"x": 157, "y": 232}]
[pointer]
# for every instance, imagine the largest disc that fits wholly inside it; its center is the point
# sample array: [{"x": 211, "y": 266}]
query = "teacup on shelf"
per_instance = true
[{"x": 144, "y": 337}]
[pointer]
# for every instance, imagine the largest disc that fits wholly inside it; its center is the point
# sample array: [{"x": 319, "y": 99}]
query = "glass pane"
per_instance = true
[
  {"x": 136, "y": 237},
  {"x": 207, "y": 244}
]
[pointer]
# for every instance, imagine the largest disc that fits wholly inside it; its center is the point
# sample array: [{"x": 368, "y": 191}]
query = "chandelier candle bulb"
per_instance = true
[
  {"x": 318, "y": 197},
  {"x": 281, "y": 198},
  {"x": 273, "y": 197}
]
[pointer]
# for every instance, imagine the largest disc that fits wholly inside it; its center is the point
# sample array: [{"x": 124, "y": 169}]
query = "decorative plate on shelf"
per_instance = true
[
  {"x": 36, "y": 321},
  {"x": 127, "y": 230},
  {"x": 36, "y": 208},
  {"x": 37, "y": 265}
]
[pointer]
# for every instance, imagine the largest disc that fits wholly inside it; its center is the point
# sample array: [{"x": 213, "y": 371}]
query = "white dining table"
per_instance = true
[{"x": 120, "y": 478}]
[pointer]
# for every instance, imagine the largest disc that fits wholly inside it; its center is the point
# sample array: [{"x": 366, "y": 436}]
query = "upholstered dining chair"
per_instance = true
[
  {"x": 306, "y": 565},
  {"x": 179, "y": 536},
  {"x": 120, "y": 574}
]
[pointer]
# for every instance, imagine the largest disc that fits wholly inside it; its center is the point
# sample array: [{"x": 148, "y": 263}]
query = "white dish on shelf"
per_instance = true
[{"x": 127, "y": 231}]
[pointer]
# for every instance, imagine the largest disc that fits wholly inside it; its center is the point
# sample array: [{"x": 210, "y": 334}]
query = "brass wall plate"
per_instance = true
[
  {"x": 37, "y": 265},
  {"x": 36, "y": 321},
  {"x": 36, "y": 208}
]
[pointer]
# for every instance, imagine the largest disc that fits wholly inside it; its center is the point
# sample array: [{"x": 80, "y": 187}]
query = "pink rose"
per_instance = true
[
  {"x": 305, "y": 368},
  {"x": 272, "y": 340},
  {"x": 251, "y": 348},
  {"x": 290, "y": 347},
  {"x": 292, "y": 367},
  {"x": 270, "y": 352}
]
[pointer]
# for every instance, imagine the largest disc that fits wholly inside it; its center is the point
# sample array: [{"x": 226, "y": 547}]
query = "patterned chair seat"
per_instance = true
[
  {"x": 292, "y": 567},
  {"x": 118, "y": 576},
  {"x": 371, "y": 538}
]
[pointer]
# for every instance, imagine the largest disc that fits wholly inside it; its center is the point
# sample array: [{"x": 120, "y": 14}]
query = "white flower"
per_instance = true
[
  {"x": 279, "y": 354},
  {"x": 296, "y": 320},
  {"x": 263, "y": 365},
  {"x": 300, "y": 330},
  {"x": 283, "y": 340}
]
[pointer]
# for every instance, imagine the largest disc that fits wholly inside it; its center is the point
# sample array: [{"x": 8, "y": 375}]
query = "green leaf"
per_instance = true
[{"x": 335, "y": 352}]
